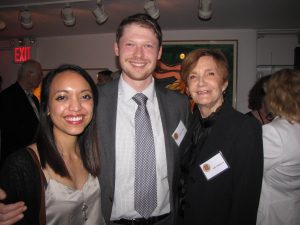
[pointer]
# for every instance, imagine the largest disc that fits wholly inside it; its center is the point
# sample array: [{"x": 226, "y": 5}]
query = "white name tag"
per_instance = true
[
  {"x": 214, "y": 166},
  {"x": 179, "y": 133}
]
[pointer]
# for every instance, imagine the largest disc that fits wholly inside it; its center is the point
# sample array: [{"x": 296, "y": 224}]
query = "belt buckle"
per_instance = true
[
  {"x": 132, "y": 222},
  {"x": 136, "y": 222}
]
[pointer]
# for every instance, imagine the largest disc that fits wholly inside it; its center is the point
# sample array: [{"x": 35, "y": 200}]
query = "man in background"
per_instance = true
[{"x": 19, "y": 109}]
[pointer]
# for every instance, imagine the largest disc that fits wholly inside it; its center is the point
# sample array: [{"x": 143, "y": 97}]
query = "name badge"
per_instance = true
[
  {"x": 179, "y": 133},
  {"x": 214, "y": 166}
]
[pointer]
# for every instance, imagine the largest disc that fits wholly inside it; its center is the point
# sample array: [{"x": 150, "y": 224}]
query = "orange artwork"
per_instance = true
[{"x": 169, "y": 76}]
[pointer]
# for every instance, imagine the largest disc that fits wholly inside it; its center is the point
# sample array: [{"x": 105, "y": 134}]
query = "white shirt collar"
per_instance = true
[{"x": 128, "y": 92}]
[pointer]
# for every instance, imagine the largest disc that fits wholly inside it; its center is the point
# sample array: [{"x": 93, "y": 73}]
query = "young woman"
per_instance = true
[{"x": 56, "y": 177}]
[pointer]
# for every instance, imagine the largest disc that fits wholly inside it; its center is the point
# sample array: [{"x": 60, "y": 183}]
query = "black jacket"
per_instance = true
[
  {"x": 20, "y": 179},
  {"x": 231, "y": 197},
  {"x": 18, "y": 121}
]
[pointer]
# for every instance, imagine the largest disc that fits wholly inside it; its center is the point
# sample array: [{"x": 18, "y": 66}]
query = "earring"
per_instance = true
[{"x": 187, "y": 91}]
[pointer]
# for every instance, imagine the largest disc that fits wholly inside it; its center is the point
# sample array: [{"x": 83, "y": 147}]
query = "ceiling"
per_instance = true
[{"x": 274, "y": 15}]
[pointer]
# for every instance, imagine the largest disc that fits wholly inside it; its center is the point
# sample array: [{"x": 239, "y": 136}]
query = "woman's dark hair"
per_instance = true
[
  {"x": 257, "y": 93},
  {"x": 87, "y": 140}
]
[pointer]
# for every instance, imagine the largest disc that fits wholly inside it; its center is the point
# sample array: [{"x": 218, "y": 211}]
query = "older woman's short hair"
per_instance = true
[
  {"x": 283, "y": 94},
  {"x": 192, "y": 58}
]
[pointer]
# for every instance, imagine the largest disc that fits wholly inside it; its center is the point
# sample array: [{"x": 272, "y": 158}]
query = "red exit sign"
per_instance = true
[{"x": 22, "y": 54}]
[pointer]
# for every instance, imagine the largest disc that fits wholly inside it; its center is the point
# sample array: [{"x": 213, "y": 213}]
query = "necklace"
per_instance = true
[{"x": 84, "y": 211}]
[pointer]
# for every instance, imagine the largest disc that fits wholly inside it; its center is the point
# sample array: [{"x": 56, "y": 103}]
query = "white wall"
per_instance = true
[
  {"x": 8, "y": 70},
  {"x": 276, "y": 49},
  {"x": 96, "y": 51},
  {"x": 92, "y": 52},
  {"x": 87, "y": 51},
  {"x": 274, "y": 52}
]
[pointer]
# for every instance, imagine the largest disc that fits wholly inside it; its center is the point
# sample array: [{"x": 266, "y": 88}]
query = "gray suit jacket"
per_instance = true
[{"x": 173, "y": 108}]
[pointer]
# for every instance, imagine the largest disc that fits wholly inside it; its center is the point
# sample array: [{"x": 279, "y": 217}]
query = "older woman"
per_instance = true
[
  {"x": 222, "y": 161},
  {"x": 280, "y": 197}
]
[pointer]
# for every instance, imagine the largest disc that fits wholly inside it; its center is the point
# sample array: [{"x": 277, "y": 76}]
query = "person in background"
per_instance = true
[
  {"x": 280, "y": 196},
  {"x": 222, "y": 153},
  {"x": 257, "y": 103},
  {"x": 19, "y": 109},
  {"x": 116, "y": 74},
  {"x": 56, "y": 177},
  {"x": 104, "y": 76}
]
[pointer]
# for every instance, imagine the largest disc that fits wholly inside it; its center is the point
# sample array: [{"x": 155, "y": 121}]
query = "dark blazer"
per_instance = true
[
  {"x": 173, "y": 108},
  {"x": 231, "y": 197},
  {"x": 20, "y": 179},
  {"x": 18, "y": 121}
]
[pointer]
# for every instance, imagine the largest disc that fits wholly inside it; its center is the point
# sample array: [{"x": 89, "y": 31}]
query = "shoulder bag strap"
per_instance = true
[{"x": 43, "y": 185}]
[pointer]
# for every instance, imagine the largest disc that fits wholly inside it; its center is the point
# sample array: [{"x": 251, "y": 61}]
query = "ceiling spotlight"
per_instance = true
[
  {"x": 152, "y": 9},
  {"x": 25, "y": 41},
  {"x": 68, "y": 16},
  {"x": 2, "y": 24},
  {"x": 99, "y": 13},
  {"x": 205, "y": 9},
  {"x": 25, "y": 19},
  {"x": 20, "y": 42}
]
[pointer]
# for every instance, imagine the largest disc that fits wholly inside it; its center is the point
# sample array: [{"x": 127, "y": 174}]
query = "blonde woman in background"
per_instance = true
[{"x": 280, "y": 197}]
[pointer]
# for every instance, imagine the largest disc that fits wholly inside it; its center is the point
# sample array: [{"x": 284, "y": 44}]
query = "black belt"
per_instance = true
[{"x": 142, "y": 221}]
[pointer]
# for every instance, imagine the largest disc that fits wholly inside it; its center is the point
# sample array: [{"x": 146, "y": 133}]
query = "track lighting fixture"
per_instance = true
[
  {"x": 99, "y": 13},
  {"x": 25, "y": 41},
  {"x": 205, "y": 9},
  {"x": 25, "y": 19},
  {"x": 68, "y": 16},
  {"x": 152, "y": 9}
]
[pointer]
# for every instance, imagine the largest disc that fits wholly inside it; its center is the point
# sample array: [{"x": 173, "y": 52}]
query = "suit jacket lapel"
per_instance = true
[
  {"x": 36, "y": 102},
  {"x": 165, "y": 108},
  {"x": 107, "y": 111}
]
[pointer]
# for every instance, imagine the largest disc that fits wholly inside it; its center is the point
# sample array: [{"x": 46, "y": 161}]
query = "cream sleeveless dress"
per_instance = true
[{"x": 68, "y": 206}]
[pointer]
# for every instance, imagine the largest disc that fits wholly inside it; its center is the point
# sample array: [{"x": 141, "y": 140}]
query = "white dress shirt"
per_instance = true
[{"x": 123, "y": 205}]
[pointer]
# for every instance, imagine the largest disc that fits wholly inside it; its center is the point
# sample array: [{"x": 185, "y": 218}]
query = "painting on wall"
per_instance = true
[{"x": 168, "y": 68}]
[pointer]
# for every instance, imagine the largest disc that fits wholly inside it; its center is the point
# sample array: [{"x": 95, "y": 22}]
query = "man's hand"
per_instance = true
[{"x": 11, "y": 213}]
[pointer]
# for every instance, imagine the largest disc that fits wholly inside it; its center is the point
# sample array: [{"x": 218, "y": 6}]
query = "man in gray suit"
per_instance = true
[{"x": 138, "y": 47}]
